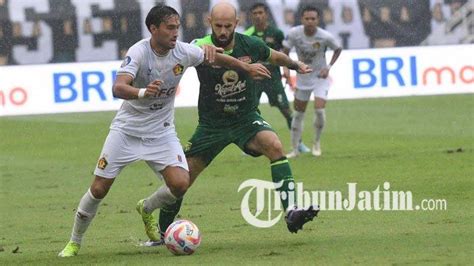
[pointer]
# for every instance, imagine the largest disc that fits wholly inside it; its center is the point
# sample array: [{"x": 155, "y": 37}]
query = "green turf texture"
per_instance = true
[{"x": 46, "y": 164}]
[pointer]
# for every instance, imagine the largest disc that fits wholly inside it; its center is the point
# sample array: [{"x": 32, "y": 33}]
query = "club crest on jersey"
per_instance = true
[
  {"x": 316, "y": 45},
  {"x": 232, "y": 85},
  {"x": 126, "y": 61},
  {"x": 102, "y": 163},
  {"x": 245, "y": 59},
  {"x": 178, "y": 69}
]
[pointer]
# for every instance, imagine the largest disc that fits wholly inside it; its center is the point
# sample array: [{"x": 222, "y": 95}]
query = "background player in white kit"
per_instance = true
[
  {"x": 143, "y": 128},
  {"x": 310, "y": 43}
]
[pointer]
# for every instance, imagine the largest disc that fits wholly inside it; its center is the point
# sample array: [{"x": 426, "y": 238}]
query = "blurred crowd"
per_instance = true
[{"x": 358, "y": 24}]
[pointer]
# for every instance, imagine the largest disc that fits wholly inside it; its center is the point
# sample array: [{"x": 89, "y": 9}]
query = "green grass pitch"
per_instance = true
[{"x": 47, "y": 163}]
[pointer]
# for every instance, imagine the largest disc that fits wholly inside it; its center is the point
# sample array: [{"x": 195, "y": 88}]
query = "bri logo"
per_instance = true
[{"x": 405, "y": 71}]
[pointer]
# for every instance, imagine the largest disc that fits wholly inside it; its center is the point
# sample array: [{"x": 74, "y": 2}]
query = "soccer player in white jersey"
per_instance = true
[
  {"x": 143, "y": 128},
  {"x": 310, "y": 43}
]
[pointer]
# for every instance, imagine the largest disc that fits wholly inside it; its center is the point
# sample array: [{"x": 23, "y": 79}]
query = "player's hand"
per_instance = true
[
  {"x": 153, "y": 88},
  {"x": 259, "y": 71},
  {"x": 303, "y": 68},
  {"x": 210, "y": 52},
  {"x": 323, "y": 73}
]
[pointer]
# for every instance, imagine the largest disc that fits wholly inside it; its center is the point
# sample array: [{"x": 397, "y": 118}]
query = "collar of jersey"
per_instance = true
[{"x": 156, "y": 53}]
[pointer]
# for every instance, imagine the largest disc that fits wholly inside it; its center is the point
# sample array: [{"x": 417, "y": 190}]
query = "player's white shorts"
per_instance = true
[
  {"x": 121, "y": 150},
  {"x": 320, "y": 90}
]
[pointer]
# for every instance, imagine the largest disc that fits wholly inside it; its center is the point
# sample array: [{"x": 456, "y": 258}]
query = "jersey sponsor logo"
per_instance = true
[
  {"x": 165, "y": 93},
  {"x": 102, "y": 163},
  {"x": 232, "y": 85},
  {"x": 156, "y": 106},
  {"x": 230, "y": 108},
  {"x": 178, "y": 69},
  {"x": 126, "y": 61},
  {"x": 245, "y": 59}
]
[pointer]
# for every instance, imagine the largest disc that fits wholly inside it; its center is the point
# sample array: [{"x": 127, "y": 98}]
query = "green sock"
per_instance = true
[
  {"x": 168, "y": 213},
  {"x": 281, "y": 171}
]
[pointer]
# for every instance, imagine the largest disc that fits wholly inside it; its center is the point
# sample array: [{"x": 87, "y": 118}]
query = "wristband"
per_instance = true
[{"x": 141, "y": 93}]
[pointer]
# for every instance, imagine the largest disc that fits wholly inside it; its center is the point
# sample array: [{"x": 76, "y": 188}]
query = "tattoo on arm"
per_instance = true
[{"x": 293, "y": 65}]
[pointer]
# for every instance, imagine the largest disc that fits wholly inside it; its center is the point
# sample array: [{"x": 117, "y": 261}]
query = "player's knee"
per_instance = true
[
  {"x": 179, "y": 186},
  {"x": 275, "y": 149},
  {"x": 99, "y": 190}
]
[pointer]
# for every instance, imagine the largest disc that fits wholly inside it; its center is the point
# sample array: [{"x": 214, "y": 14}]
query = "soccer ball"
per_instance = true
[{"x": 182, "y": 237}]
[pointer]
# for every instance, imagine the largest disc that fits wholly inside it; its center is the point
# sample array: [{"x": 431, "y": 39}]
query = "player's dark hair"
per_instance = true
[
  {"x": 259, "y": 5},
  {"x": 158, "y": 14},
  {"x": 311, "y": 9}
]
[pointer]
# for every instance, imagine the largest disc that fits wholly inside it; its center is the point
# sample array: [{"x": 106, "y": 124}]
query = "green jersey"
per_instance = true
[
  {"x": 226, "y": 96},
  {"x": 273, "y": 37}
]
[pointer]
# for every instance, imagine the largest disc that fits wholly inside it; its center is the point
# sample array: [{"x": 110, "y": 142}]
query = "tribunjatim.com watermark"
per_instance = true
[{"x": 267, "y": 198}]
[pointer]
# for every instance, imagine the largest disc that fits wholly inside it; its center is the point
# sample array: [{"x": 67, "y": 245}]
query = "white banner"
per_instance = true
[{"x": 84, "y": 87}]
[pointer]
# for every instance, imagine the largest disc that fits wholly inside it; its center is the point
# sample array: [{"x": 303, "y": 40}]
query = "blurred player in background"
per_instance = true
[
  {"x": 228, "y": 113},
  {"x": 273, "y": 88},
  {"x": 310, "y": 42},
  {"x": 143, "y": 128}
]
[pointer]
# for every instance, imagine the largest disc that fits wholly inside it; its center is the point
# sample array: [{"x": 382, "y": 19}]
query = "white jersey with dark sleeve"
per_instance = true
[
  {"x": 154, "y": 117},
  {"x": 311, "y": 50}
]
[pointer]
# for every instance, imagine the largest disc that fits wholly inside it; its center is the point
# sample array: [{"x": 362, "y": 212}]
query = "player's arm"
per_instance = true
[
  {"x": 323, "y": 73},
  {"x": 286, "y": 71},
  {"x": 214, "y": 56},
  {"x": 281, "y": 59},
  {"x": 124, "y": 90}
]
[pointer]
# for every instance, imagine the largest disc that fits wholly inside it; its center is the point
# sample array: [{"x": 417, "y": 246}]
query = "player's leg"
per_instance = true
[
  {"x": 256, "y": 137},
  {"x": 266, "y": 142},
  {"x": 205, "y": 144},
  {"x": 320, "y": 96},
  {"x": 165, "y": 156},
  {"x": 297, "y": 123},
  {"x": 277, "y": 97},
  {"x": 168, "y": 213},
  {"x": 108, "y": 167}
]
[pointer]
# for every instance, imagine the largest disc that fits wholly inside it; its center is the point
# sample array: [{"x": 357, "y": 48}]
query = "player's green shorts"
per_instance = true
[
  {"x": 209, "y": 140},
  {"x": 275, "y": 92}
]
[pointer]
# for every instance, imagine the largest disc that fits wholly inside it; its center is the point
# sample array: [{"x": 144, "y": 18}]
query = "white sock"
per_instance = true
[
  {"x": 296, "y": 129},
  {"x": 319, "y": 121},
  {"x": 85, "y": 213},
  {"x": 161, "y": 197}
]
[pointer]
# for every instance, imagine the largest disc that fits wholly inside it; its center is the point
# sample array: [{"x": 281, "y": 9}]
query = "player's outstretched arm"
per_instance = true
[
  {"x": 214, "y": 56},
  {"x": 256, "y": 71},
  {"x": 124, "y": 90},
  {"x": 281, "y": 59}
]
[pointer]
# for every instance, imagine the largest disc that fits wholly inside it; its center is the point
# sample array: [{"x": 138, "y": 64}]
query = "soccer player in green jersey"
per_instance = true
[
  {"x": 273, "y": 88},
  {"x": 228, "y": 113}
]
